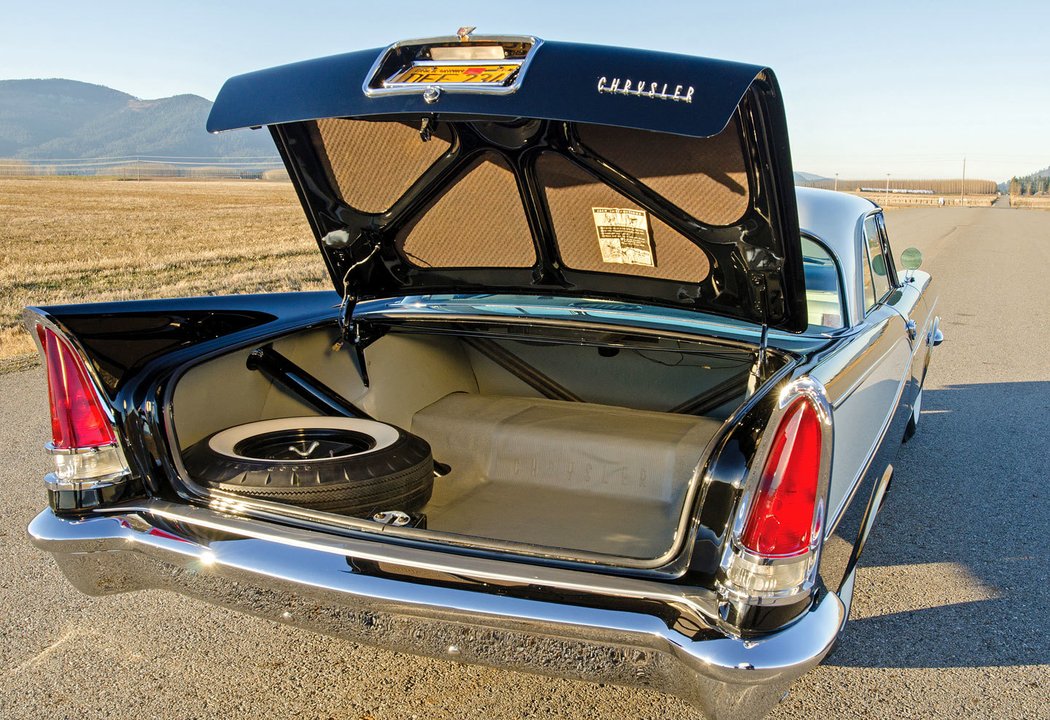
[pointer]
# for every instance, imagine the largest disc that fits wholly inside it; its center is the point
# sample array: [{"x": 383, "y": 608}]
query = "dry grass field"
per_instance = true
[{"x": 82, "y": 240}]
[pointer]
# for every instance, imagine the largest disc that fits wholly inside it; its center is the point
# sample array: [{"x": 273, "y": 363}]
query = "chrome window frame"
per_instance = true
[
  {"x": 891, "y": 275},
  {"x": 887, "y": 250},
  {"x": 866, "y": 242}
]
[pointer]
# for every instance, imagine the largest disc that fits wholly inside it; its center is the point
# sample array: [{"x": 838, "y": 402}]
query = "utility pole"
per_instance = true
[
  {"x": 962, "y": 190},
  {"x": 836, "y": 182},
  {"x": 887, "y": 198}
]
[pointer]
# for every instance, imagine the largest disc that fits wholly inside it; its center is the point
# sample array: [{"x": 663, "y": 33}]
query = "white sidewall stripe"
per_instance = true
[{"x": 224, "y": 442}]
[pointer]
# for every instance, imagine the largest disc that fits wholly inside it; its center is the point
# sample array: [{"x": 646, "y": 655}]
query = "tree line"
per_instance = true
[{"x": 1036, "y": 184}]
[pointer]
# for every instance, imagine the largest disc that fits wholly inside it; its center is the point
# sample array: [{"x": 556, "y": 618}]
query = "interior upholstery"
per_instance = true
[
  {"x": 477, "y": 222},
  {"x": 572, "y": 193},
  {"x": 706, "y": 177},
  {"x": 561, "y": 474},
  {"x": 372, "y": 164},
  {"x": 606, "y": 474}
]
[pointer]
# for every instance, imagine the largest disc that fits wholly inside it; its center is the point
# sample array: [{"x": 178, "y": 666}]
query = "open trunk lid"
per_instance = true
[{"x": 506, "y": 164}]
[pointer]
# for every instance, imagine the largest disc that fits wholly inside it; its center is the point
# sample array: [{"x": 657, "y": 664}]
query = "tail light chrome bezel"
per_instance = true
[
  {"x": 80, "y": 469},
  {"x": 751, "y": 578}
]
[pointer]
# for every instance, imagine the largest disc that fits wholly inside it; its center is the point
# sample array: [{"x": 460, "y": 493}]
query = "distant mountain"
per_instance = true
[
  {"x": 47, "y": 119},
  {"x": 808, "y": 177}
]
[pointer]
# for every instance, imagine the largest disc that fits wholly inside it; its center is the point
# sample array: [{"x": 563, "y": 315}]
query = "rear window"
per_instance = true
[{"x": 823, "y": 289}]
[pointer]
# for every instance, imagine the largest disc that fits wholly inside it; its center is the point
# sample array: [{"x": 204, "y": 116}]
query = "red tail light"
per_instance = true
[
  {"x": 781, "y": 520},
  {"x": 78, "y": 419}
]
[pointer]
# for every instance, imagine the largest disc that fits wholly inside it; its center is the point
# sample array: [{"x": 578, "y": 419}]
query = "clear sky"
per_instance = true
[{"x": 907, "y": 88}]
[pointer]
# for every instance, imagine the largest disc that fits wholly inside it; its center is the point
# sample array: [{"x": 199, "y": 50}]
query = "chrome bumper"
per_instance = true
[{"x": 279, "y": 574}]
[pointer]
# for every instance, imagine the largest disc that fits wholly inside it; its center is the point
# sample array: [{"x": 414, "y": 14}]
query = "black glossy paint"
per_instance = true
[
  {"x": 136, "y": 350},
  {"x": 757, "y": 271},
  {"x": 80, "y": 502},
  {"x": 137, "y": 395},
  {"x": 121, "y": 338},
  {"x": 560, "y": 84},
  {"x": 141, "y": 403}
]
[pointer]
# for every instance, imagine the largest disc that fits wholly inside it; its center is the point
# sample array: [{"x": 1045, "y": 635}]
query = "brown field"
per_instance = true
[{"x": 83, "y": 240}]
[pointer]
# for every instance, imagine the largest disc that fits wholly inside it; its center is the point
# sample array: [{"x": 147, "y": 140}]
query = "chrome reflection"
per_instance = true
[{"x": 288, "y": 580}]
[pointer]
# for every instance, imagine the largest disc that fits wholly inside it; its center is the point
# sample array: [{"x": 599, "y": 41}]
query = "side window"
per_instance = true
[
  {"x": 879, "y": 277},
  {"x": 888, "y": 249}
]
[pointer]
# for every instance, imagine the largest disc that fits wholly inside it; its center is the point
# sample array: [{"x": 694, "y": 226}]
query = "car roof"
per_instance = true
[
  {"x": 835, "y": 218},
  {"x": 832, "y": 217}
]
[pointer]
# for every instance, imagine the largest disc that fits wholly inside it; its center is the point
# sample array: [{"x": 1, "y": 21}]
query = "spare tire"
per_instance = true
[{"x": 343, "y": 465}]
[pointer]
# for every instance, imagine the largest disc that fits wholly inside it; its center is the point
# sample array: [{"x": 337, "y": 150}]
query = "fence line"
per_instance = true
[
  {"x": 148, "y": 166},
  {"x": 935, "y": 186}
]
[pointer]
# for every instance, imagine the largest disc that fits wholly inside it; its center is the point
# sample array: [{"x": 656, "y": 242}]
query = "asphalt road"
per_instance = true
[{"x": 950, "y": 618}]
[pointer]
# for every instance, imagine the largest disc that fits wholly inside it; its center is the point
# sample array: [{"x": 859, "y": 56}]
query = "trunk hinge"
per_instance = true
[
  {"x": 758, "y": 370},
  {"x": 351, "y": 330}
]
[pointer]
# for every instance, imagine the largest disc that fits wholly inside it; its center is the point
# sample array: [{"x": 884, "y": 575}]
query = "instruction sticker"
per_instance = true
[{"x": 623, "y": 236}]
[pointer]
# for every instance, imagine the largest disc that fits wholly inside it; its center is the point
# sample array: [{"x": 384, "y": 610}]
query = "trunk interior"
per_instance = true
[{"x": 574, "y": 446}]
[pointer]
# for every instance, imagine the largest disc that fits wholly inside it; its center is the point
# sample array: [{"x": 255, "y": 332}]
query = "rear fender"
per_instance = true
[{"x": 131, "y": 349}]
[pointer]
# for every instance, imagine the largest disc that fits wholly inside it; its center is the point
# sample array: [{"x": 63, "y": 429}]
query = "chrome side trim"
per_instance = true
[
  {"x": 864, "y": 376},
  {"x": 300, "y": 584}
]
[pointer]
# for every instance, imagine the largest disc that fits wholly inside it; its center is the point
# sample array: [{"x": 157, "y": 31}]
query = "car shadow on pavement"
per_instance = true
[{"x": 956, "y": 572}]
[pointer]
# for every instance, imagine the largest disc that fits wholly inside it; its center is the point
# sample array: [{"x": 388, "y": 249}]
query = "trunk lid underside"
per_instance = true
[{"x": 587, "y": 172}]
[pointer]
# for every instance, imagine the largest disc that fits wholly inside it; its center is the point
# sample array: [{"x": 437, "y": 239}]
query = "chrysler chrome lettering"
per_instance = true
[{"x": 641, "y": 88}]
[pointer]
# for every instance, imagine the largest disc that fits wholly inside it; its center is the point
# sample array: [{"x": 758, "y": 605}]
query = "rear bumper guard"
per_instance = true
[{"x": 274, "y": 574}]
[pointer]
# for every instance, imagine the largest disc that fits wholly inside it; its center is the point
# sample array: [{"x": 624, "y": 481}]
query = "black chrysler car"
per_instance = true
[{"x": 597, "y": 393}]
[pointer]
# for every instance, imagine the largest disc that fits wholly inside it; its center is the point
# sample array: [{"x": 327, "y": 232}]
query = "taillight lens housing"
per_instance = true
[
  {"x": 781, "y": 520},
  {"x": 78, "y": 419},
  {"x": 83, "y": 443},
  {"x": 776, "y": 542}
]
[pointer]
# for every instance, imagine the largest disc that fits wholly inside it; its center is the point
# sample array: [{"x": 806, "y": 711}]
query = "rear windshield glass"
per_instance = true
[{"x": 823, "y": 290}]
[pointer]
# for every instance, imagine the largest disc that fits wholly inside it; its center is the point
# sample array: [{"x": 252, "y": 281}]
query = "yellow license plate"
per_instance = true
[{"x": 439, "y": 74}]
